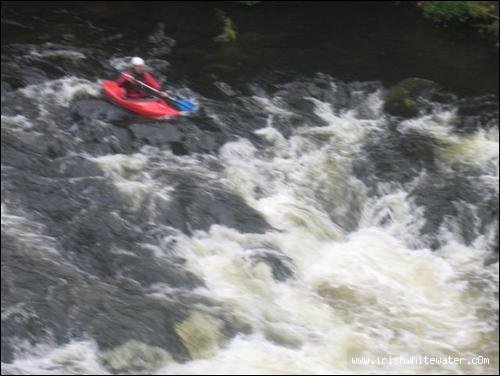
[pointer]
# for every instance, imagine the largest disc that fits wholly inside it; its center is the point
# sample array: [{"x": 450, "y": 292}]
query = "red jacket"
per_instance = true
[{"x": 134, "y": 90}]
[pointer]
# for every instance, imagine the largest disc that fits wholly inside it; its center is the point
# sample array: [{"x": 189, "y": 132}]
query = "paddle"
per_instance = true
[{"x": 181, "y": 104}]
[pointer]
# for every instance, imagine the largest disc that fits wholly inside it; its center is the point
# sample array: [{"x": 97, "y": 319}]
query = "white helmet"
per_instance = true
[{"x": 137, "y": 61}]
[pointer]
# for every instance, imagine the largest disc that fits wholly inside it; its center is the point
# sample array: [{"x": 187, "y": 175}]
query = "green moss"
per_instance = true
[
  {"x": 399, "y": 103},
  {"x": 480, "y": 9},
  {"x": 445, "y": 10},
  {"x": 228, "y": 28},
  {"x": 410, "y": 104},
  {"x": 229, "y": 31},
  {"x": 486, "y": 12}
]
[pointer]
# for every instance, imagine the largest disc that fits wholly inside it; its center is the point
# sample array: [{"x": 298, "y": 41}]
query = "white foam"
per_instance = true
[
  {"x": 61, "y": 91},
  {"x": 28, "y": 234},
  {"x": 133, "y": 175},
  {"x": 67, "y": 54},
  {"x": 368, "y": 294},
  {"x": 479, "y": 148},
  {"x": 76, "y": 358},
  {"x": 375, "y": 290},
  {"x": 16, "y": 123},
  {"x": 130, "y": 176},
  {"x": 269, "y": 106}
]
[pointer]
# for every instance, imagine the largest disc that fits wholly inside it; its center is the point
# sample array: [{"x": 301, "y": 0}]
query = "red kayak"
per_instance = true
[{"x": 146, "y": 107}]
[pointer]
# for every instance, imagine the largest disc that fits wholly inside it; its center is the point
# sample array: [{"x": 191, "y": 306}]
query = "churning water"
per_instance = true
[{"x": 279, "y": 231}]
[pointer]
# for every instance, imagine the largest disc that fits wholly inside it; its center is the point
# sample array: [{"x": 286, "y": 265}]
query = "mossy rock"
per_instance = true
[
  {"x": 228, "y": 31},
  {"x": 401, "y": 100}
]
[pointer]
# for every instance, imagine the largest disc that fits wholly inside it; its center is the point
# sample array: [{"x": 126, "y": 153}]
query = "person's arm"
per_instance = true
[
  {"x": 149, "y": 80},
  {"x": 123, "y": 79}
]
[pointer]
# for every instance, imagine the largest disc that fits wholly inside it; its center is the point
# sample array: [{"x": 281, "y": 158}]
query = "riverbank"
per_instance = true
[{"x": 353, "y": 41}]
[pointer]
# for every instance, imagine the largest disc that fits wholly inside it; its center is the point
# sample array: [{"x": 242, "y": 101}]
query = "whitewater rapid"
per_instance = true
[{"x": 344, "y": 269}]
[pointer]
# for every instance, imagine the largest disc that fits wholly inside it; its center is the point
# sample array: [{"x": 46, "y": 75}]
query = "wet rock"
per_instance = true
[
  {"x": 30, "y": 316},
  {"x": 6, "y": 87},
  {"x": 478, "y": 106},
  {"x": 396, "y": 157},
  {"x": 52, "y": 300},
  {"x": 225, "y": 88},
  {"x": 148, "y": 270},
  {"x": 157, "y": 133},
  {"x": 14, "y": 104},
  {"x": 77, "y": 166},
  {"x": 195, "y": 207},
  {"x": 139, "y": 318},
  {"x": 27, "y": 153},
  {"x": 476, "y": 113},
  {"x": 55, "y": 148},
  {"x": 299, "y": 103},
  {"x": 450, "y": 197},
  {"x": 102, "y": 137},
  {"x": 320, "y": 88},
  {"x": 159, "y": 65},
  {"x": 97, "y": 109},
  {"x": 160, "y": 38},
  {"x": 444, "y": 97},
  {"x": 402, "y": 99}
]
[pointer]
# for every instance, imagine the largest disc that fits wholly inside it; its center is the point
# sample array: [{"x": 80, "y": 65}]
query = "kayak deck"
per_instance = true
[{"x": 146, "y": 107}]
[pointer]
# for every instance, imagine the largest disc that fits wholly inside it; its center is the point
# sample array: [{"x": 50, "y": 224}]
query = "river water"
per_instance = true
[{"x": 287, "y": 227}]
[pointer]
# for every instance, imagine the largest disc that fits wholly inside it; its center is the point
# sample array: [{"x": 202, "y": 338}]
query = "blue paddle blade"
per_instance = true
[{"x": 185, "y": 105}]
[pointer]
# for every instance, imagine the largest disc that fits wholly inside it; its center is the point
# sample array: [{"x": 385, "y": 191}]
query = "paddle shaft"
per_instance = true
[{"x": 147, "y": 86}]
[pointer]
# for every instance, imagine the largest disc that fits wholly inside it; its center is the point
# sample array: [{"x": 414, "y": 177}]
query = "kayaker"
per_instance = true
[{"x": 133, "y": 89}]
